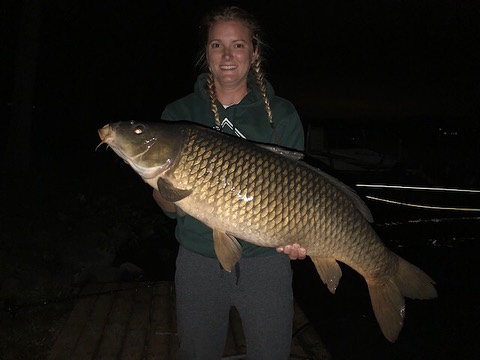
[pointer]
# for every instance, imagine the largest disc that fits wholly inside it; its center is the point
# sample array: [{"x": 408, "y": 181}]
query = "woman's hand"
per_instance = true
[{"x": 294, "y": 251}]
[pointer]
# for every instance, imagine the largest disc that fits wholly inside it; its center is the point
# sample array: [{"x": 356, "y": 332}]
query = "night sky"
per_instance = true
[{"x": 112, "y": 60}]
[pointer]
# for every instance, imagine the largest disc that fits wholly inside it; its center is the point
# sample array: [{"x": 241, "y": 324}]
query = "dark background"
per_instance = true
[
  {"x": 81, "y": 64},
  {"x": 69, "y": 67}
]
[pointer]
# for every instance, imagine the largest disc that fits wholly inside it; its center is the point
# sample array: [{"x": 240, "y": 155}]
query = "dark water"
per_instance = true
[{"x": 446, "y": 246}]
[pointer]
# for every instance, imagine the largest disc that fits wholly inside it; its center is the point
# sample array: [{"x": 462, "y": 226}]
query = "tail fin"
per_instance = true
[{"x": 388, "y": 298}]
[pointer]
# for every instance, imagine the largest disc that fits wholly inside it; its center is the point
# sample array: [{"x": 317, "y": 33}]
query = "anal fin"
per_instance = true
[{"x": 329, "y": 271}]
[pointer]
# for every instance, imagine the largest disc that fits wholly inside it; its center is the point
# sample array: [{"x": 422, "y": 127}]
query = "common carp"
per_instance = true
[{"x": 244, "y": 190}]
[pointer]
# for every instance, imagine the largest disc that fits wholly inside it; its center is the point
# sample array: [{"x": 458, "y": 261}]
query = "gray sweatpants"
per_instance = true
[{"x": 261, "y": 290}]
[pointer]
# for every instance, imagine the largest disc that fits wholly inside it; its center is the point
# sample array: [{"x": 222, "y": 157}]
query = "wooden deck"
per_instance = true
[{"x": 137, "y": 321}]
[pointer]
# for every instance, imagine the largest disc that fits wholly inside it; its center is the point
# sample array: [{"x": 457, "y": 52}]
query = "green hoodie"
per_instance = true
[{"x": 247, "y": 119}]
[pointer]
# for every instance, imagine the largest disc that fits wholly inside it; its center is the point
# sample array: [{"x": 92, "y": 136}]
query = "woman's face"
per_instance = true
[{"x": 230, "y": 52}]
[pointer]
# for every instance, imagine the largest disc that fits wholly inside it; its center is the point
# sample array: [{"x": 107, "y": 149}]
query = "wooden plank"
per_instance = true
[
  {"x": 137, "y": 321},
  {"x": 92, "y": 332},
  {"x": 162, "y": 337},
  {"x": 115, "y": 329},
  {"x": 66, "y": 342},
  {"x": 307, "y": 337},
  {"x": 134, "y": 344},
  {"x": 236, "y": 343}
]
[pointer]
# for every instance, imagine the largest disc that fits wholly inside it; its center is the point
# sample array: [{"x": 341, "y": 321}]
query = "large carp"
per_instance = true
[{"x": 244, "y": 190}]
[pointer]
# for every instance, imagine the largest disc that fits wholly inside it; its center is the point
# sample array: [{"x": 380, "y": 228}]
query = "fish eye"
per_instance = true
[{"x": 138, "y": 129}]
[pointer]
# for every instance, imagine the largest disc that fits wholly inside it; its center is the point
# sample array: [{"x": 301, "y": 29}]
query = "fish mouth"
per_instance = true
[{"x": 105, "y": 134}]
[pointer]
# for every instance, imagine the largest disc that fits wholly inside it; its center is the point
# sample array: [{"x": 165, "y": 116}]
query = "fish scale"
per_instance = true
[
  {"x": 243, "y": 190},
  {"x": 249, "y": 175}
]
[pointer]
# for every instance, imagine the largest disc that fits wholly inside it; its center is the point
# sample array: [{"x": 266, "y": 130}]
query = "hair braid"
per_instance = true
[
  {"x": 260, "y": 78},
  {"x": 213, "y": 98}
]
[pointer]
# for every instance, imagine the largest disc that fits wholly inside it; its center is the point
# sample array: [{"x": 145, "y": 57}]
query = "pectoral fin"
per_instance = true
[
  {"x": 329, "y": 271},
  {"x": 227, "y": 248},
  {"x": 170, "y": 192}
]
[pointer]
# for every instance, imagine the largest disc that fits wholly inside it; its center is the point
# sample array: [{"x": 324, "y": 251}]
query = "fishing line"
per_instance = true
[
  {"x": 408, "y": 187},
  {"x": 420, "y": 205},
  {"x": 420, "y": 188}
]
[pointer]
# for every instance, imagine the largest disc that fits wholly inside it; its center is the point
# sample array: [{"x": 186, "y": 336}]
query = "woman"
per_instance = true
[{"x": 234, "y": 97}]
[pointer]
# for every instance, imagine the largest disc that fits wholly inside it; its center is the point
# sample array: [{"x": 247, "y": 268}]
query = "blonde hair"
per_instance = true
[{"x": 233, "y": 13}]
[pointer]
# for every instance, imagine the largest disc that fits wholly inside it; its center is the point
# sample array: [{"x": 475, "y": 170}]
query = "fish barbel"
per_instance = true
[{"x": 244, "y": 190}]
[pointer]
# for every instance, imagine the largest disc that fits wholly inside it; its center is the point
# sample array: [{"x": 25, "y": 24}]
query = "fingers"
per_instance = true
[{"x": 294, "y": 251}]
